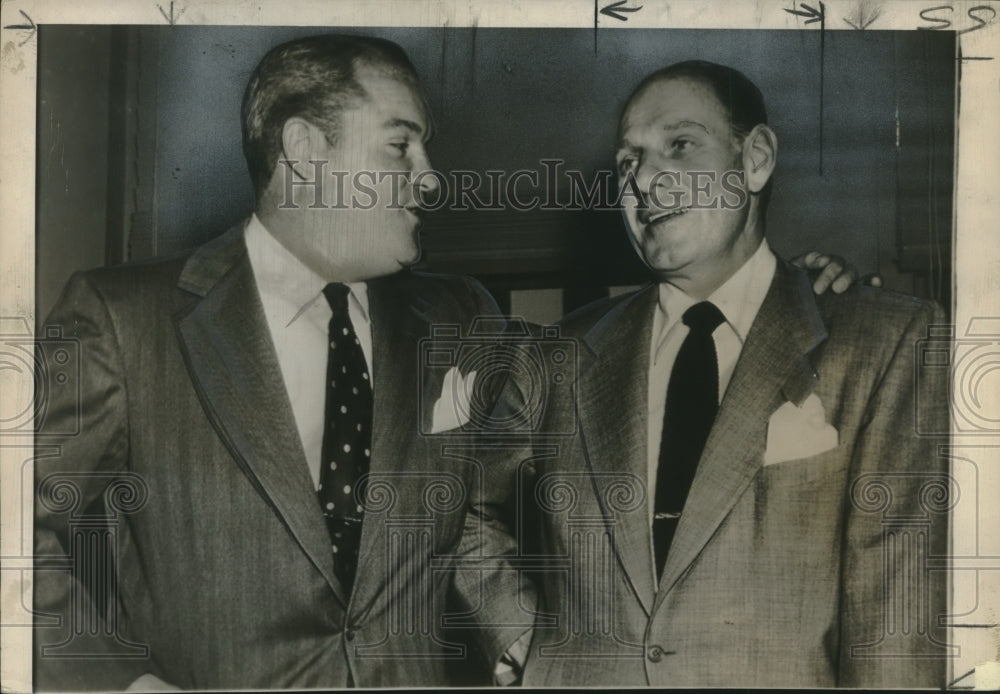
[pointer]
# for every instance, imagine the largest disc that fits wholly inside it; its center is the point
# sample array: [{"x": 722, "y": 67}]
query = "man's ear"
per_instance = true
[
  {"x": 760, "y": 154},
  {"x": 300, "y": 142}
]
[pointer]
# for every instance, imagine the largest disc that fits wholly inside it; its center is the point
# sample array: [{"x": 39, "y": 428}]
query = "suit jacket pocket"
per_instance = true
[{"x": 805, "y": 471}]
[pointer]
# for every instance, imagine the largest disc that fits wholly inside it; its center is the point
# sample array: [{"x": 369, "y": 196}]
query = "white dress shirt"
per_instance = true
[
  {"x": 738, "y": 299},
  {"x": 298, "y": 316}
]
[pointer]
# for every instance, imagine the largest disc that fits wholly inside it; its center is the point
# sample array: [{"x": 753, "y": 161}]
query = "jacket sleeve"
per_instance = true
[
  {"x": 897, "y": 519},
  {"x": 80, "y": 640},
  {"x": 489, "y": 588}
]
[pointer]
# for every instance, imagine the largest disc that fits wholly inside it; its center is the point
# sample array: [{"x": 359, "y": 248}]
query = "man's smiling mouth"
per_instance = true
[{"x": 666, "y": 214}]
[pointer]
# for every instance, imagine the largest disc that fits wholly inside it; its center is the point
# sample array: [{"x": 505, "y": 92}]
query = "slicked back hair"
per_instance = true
[
  {"x": 741, "y": 98},
  {"x": 314, "y": 78}
]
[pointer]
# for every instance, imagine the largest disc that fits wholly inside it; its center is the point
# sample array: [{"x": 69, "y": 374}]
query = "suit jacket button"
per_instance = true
[
  {"x": 655, "y": 654},
  {"x": 349, "y": 634}
]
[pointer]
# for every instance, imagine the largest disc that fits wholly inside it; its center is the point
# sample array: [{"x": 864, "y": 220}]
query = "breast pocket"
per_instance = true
[
  {"x": 798, "y": 503},
  {"x": 804, "y": 472}
]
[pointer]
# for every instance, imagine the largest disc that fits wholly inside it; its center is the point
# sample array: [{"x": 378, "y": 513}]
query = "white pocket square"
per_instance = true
[
  {"x": 452, "y": 407},
  {"x": 798, "y": 432}
]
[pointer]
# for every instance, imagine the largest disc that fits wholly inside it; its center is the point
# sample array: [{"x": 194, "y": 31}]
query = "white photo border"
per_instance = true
[{"x": 976, "y": 247}]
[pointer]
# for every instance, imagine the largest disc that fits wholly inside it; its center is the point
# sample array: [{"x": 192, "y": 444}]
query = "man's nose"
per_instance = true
[
  {"x": 645, "y": 173},
  {"x": 423, "y": 174},
  {"x": 660, "y": 186}
]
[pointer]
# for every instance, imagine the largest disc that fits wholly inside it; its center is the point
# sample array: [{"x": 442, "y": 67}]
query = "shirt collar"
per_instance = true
[
  {"x": 739, "y": 298},
  {"x": 280, "y": 275}
]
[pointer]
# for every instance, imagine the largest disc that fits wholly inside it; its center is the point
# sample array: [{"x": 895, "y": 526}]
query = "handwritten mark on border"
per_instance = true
[
  {"x": 172, "y": 17},
  {"x": 615, "y": 9},
  {"x": 30, "y": 27},
  {"x": 811, "y": 13},
  {"x": 864, "y": 16},
  {"x": 939, "y": 23}
]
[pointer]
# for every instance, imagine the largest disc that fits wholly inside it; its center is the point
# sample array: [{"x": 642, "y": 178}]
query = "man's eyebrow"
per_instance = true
[
  {"x": 685, "y": 123},
  {"x": 624, "y": 144},
  {"x": 404, "y": 123}
]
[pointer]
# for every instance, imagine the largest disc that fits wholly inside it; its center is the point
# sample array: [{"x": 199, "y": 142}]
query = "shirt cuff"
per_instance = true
[{"x": 511, "y": 665}]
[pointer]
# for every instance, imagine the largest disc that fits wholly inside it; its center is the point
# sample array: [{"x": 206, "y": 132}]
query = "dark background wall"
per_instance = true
[{"x": 139, "y": 145}]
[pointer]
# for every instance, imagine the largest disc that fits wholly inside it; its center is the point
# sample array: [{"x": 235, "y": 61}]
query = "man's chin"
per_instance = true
[
  {"x": 666, "y": 269},
  {"x": 411, "y": 259},
  {"x": 397, "y": 265},
  {"x": 401, "y": 261},
  {"x": 660, "y": 261},
  {"x": 374, "y": 272}
]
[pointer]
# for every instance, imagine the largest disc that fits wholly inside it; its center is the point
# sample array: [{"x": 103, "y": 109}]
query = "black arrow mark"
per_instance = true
[
  {"x": 862, "y": 20},
  {"x": 30, "y": 26},
  {"x": 614, "y": 9},
  {"x": 812, "y": 13},
  {"x": 171, "y": 18}
]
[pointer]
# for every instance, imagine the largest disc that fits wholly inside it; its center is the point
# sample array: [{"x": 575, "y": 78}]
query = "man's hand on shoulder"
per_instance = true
[{"x": 834, "y": 272}]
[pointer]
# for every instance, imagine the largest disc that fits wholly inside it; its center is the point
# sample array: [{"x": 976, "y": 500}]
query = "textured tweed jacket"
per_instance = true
[
  {"x": 800, "y": 559},
  {"x": 224, "y": 570}
]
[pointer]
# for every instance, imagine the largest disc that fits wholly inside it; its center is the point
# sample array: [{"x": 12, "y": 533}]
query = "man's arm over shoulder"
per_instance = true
[{"x": 897, "y": 516}]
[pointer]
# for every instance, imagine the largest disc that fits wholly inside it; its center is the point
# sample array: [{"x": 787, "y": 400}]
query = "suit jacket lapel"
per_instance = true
[
  {"x": 398, "y": 320},
  {"x": 773, "y": 367},
  {"x": 612, "y": 407},
  {"x": 228, "y": 351}
]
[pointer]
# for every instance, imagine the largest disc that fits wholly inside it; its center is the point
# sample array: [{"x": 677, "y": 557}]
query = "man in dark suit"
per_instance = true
[
  {"x": 734, "y": 491},
  {"x": 249, "y": 414}
]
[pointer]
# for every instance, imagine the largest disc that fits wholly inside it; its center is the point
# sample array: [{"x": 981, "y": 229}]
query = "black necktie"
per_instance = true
[
  {"x": 692, "y": 401},
  {"x": 347, "y": 438}
]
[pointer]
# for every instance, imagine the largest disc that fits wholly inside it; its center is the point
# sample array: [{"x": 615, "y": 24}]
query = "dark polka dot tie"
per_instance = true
[{"x": 347, "y": 438}]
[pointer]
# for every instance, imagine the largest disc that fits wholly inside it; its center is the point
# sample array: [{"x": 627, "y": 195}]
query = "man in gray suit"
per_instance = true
[
  {"x": 252, "y": 410},
  {"x": 734, "y": 491}
]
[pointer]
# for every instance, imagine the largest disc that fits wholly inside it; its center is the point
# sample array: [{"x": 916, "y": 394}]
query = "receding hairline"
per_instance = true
[
  {"x": 693, "y": 80},
  {"x": 381, "y": 69},
  {"x": 657, "y": 80}
]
